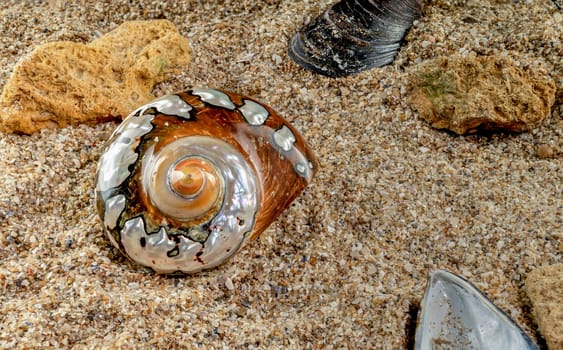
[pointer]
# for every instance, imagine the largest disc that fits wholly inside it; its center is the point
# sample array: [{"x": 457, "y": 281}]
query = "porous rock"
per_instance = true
[
  {"x": 544, "y": 286},
  {"x": 67, "y": 83},
  {"x": 487, "y": 93}
]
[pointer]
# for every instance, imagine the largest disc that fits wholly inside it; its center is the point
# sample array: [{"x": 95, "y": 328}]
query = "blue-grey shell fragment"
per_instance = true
[{"x": 457, "y": 315}]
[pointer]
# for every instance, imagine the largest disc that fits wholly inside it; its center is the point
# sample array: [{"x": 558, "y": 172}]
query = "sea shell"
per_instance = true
[
  {"x": 354, "y": 35},
  {"x": 456, "y": 315},
  {"x": 186, "y": 180}
]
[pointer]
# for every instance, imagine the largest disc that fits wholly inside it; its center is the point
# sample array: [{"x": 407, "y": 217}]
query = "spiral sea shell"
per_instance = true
[
  {"x": 354, "y": 35},
  {"x": 186, "y": 180}
]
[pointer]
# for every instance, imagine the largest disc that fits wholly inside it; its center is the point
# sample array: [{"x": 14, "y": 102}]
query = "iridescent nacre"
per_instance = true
[{"x": 186, "y": 180}]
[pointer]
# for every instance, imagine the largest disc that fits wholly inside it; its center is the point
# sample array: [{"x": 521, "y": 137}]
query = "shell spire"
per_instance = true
[{"x": 354, "y": 35}]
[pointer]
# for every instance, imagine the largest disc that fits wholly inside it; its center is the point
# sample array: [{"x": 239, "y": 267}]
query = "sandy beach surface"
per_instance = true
[{"x": 346, "y": 265}]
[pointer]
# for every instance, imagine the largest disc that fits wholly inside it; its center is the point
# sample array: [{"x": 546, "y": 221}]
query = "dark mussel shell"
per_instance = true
[{"x": 354, "y": 35}]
